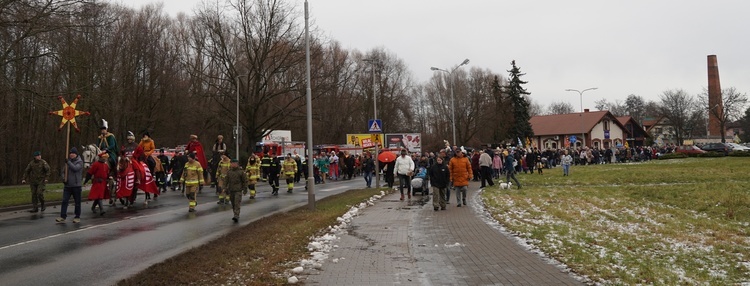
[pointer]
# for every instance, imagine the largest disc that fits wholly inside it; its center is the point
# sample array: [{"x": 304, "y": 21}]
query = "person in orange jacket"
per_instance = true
[{"x": 461, "y": 173}]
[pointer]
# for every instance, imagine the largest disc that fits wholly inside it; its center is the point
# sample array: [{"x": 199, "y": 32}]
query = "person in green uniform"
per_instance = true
[
  {"x": 234, "y": 183},
  {"x": 37, "y": 173}
]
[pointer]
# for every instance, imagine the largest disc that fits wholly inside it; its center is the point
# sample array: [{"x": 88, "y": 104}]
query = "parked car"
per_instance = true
[
  {"x": 716, "y": 147},
  {"x": 738, "y": 147},
  {"x": 688, "y": 149}
]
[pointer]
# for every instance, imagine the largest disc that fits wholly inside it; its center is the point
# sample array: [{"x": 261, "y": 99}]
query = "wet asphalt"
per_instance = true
[{"x": 102, "y": 250}]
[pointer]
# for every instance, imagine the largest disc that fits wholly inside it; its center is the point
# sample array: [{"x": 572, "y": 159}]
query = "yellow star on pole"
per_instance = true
[{"x": 69, "y": 113}]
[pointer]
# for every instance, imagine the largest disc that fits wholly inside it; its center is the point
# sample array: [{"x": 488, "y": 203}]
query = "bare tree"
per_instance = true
[
  {"x": 617, "y": 108},
  {"x": 29, "y": 77},
  {"x": 731, "y": 108},
  {"x": 256, "y": 46},
  {"x": 680, "y": 108},
  {"x": 560, "y": 107},
  {"x": 635, "y": 107}
]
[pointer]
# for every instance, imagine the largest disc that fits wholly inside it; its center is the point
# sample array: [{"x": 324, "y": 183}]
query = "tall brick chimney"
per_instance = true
[{"x": 715, "y": 107}]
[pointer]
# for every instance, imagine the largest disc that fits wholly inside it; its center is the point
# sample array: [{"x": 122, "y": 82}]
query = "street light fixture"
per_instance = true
[
  {"x": 580, "y": 93},
  {"x": 453, "y": 99}
]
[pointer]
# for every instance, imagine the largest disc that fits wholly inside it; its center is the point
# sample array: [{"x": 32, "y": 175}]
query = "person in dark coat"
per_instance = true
[
  {"x": 72, "y": 186},
  {"x": 388, "y": 172},
  {"x": 349, "y": 162},
  {"x": 532, "y": 158},
  {"x": 439, "y": 175},
  {"x": 273, "y": 175},
  {"x": 235, "y": 182},
  {"x": 176, "y": 167},
  {"x": 164, "y": 160},
  {"x": 37, "y": 173},
  {"x": 475, "y": 165},
  {"x": 368, "y": 167},
  {"x": 511, "y": 171}
]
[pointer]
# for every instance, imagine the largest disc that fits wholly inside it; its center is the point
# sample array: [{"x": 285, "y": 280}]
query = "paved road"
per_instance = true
[
  {"x": 103, "y": 250},
  {"x": 407, "y": 243}
]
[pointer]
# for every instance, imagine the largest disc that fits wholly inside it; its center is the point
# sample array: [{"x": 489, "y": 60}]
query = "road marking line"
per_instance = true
[
  {"x": 122, "y": 220},
  {"x": 82, "y": 229}
]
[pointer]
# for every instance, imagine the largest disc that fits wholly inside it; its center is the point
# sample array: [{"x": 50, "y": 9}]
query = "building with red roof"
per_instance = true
[{"x": 599, "y": 128}]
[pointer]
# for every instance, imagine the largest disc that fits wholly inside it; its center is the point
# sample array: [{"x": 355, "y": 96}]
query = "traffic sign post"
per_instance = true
[{"x": 375, "y": 126}]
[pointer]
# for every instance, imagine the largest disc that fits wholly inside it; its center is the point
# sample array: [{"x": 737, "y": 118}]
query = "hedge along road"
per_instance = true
[{"x": 103, "y": 250}]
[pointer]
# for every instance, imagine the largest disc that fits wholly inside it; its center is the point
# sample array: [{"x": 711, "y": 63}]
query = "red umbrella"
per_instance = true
[{"x": 387, "y": 157}]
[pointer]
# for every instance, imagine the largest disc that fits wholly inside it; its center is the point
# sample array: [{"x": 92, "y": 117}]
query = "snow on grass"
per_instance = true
[{"x": 619, "y": 241}]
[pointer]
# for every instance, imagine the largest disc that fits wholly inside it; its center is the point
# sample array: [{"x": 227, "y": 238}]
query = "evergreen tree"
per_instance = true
[
  {"x": 745, "y": 125},
  {"x": 501, "y": 121},
  {"x": 520, "y": 127}
]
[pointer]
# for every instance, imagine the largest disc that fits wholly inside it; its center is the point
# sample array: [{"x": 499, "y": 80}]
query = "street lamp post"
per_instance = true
[
  {"x": 308, "y": 99},
  {"x": 375, "y": 109},
  {"x": 580, "y": 94},
  {"x": 237, "y": 123},
  {"x": 453, "y": 99}
]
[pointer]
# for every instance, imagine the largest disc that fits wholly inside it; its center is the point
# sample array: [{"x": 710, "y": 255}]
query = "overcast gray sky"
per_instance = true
[{"x": 622, "y": 47}]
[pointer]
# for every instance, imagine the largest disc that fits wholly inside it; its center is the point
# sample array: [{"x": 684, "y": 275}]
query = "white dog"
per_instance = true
[{"x": 506, "y": 185}]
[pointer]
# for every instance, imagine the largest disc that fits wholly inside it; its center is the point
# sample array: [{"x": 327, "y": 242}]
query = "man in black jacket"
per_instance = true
[
  {"x": 177, "y": 166},
  {"x": 439, "y": 179},
  {"x": 274, "y": 169},
  {"x": 368, "y": 166}
]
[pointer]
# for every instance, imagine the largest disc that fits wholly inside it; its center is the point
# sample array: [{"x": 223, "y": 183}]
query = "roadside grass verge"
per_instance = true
[
  {"x": 257, "y": 254},
  {"x": 667, "y": 222},
  {"x": 21, "y": 195}
]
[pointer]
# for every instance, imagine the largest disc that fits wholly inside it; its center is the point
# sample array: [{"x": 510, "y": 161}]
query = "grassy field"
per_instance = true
[
  {"x": 667, "y": 222},
  {"x": 257, "y": 254},
  {"x": 21, "y": 195}
]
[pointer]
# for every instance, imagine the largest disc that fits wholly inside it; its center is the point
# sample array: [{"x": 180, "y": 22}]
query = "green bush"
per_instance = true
[
  {"x": 739, "y": 154},
  {"x": 711, "y": 154},
  {"x": 673, "y": 156}
]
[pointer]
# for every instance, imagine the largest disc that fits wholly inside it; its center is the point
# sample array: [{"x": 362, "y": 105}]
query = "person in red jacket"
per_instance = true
[
  {"x": 195, "y": 147},
  {"x": 98, "y": 174}
]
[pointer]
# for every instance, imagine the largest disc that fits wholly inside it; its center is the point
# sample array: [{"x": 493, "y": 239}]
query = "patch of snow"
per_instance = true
[{"x": 292, "y": 280}]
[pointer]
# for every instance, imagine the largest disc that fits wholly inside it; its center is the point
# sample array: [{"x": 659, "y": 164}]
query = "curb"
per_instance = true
[{"x": 30, "y": 206}]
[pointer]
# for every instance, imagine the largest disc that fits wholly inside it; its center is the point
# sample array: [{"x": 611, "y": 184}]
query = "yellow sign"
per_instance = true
[{"x": 364, "y": 140}]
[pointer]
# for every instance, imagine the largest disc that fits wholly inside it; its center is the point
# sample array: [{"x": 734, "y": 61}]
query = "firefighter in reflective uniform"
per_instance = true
[
  {"x": 253, "y": 173},
  {"x": 290, "y": 169},
  {"x": 273, "y": 175},
  {"x": 192, "y": 176},
  {"x": 265, "y": 162},
  {"x": 221, "y": 175}
]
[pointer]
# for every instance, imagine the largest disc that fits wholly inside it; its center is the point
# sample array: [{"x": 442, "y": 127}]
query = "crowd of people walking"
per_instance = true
[{"x": 117, "y": 172}]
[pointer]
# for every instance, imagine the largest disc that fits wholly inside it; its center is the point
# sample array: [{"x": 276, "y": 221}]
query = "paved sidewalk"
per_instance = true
[{"x": 408, "y": 243}]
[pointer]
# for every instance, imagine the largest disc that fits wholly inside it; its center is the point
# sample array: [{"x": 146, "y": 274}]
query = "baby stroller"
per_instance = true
[{"x": 420, "y": 183}]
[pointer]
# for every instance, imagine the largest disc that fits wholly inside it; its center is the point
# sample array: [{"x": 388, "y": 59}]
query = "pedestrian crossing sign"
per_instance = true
[{"x": 375, "y": 126}]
